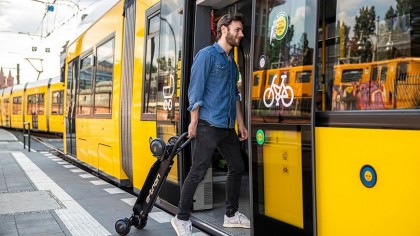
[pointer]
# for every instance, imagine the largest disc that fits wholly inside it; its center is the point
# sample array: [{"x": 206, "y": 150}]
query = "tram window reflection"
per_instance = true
[
  {"x": 104, "y": 78},
  {"x": 57, "y": 102},
  {"x": 283, "y": 62},
  {"x": 371, "y": 56},
  {"x": 17, "y": 105},
  {"x": 84, "y": 101},
  {"x": 150, "y": 78}
]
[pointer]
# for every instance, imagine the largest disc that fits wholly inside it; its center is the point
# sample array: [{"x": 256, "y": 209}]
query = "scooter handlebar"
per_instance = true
[{"x": 179, "y": 145}]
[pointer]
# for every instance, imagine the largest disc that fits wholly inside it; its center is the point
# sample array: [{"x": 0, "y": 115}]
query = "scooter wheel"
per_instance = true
[
  {"x": 123, "y": 226},
  {"x": 142, "y": 223}
]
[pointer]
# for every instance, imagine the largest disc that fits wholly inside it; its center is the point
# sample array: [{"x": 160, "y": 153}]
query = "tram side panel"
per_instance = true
[
  {"x": 98, "y": 124},
  {"x": 56, "y": 107},
  {"x": 36, "y": 104},
  {"x": 32, "y": 103},
  {"x": 97, "y": 108},
  {"x": 142, "y": 128},
  {"x": 6, "y": 110},
  {"x": 367, "y": 179},
  {"x": 17, "y": 106}
]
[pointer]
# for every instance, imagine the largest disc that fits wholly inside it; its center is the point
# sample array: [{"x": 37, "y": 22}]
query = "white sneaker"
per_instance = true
[
  {"x": 239, "y": 220},
  {"x": 182, "y": 227}
]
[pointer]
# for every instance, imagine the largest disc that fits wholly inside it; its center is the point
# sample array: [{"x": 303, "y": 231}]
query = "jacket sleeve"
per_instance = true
[{"x": 199, "y": 73}]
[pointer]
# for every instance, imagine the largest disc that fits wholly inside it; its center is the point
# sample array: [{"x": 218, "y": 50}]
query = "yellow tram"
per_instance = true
[
  {"x": 331, "y": 106},
  {"x": 6, "y": 107},
  {"x": 40, "y": 103},
  {"x": 389, "y": 84}
]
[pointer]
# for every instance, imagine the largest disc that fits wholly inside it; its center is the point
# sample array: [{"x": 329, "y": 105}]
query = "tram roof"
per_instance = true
[
  {"x": 43, "y": 82},
  {"x": 94, "y": 15},
  {"x": 18, "y": 87}
]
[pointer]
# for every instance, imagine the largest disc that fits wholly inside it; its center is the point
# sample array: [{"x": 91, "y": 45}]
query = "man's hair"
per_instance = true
[{"x": 226, "y": 19}]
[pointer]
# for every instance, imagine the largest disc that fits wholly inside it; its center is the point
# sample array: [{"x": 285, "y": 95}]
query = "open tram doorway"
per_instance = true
[
  {"x": 175, "y": 50},
  {"x": 209, "y": 212}
]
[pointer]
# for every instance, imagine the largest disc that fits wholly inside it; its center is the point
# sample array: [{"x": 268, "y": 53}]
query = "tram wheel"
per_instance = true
[
  {"x": 123, "y": 226},
  {"x": 141, "y": 224}
]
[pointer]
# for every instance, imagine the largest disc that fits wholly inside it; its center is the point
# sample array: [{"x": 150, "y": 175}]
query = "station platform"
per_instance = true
[{"x": 41, "y": 194}]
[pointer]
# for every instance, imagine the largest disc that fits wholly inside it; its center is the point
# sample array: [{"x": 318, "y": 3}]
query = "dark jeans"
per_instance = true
[{"x": 207, "y": 139}]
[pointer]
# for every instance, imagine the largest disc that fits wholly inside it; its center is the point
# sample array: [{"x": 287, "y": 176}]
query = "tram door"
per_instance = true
[
  {"x": 71, "y": 107},
  {"x": 281, "y": 108},
  {"x": 173, "y": 79}
]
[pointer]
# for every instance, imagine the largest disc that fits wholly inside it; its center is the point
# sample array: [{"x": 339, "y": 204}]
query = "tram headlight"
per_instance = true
[{"x": 157, "y": 147}]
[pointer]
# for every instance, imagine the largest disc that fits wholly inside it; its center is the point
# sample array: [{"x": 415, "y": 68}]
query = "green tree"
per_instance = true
[
  {"x": 365, "y": 26},
  {"x": 365, "y": 21},
  {"x": 389, "y": 15},
  {"x": 403, "y": 7},
  {"x": 307, "y": 52}
]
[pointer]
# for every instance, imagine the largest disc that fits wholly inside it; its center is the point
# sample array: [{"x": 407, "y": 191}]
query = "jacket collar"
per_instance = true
[{"x": 220, "y": 49}]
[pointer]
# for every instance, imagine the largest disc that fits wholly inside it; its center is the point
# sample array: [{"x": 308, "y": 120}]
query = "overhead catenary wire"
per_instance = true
[
  {"x": 49, "y": 25},
  {"x": 48, "y": 33}
]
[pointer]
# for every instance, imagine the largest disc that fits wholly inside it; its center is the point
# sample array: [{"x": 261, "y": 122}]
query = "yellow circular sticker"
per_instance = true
[
  {"x": 280, "y": 26},
  {"x": 368, "y": 176},
  {"x": 260, "y": 137}
]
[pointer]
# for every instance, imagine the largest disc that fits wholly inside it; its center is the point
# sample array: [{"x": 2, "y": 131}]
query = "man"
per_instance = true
[{"x": 214, "y": 104}]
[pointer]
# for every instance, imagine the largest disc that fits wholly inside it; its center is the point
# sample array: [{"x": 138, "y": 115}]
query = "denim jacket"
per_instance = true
[{"x": 213, "y": 86}]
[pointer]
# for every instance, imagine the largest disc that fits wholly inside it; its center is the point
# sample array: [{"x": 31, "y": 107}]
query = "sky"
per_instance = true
[
  {"x": 25, "y": 24},
  {"x": 347, "y": 10}
]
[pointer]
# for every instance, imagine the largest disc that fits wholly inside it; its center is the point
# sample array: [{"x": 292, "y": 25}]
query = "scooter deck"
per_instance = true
[
  {"x": 152, "y": 186},
  {"x": 157, "y": 176}
]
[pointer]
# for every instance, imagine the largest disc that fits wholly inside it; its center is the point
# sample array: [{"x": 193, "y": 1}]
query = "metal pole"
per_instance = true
[
  {"x": 17, "y": 74},
  {"x": 24, "y": 135},
  {"x": 29, "y": 137}
]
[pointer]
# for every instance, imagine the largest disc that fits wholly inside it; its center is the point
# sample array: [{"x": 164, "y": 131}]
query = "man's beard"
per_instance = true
[{"x": 231, "y": 40}]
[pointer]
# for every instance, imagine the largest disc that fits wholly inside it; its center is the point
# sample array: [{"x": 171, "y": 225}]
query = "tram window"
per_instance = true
[
  {"x": 256, "y": 80},
  {"x": 57, "y": 102},
  {"x": 40, "y": 104},
  {"x": 374, "y": 74},
  {"x": 17, "y": 106},
  {"x": 84, "y": 101},
  {"x": 384, "y": 71},
  {"x": 35, "y": 104},
  {"x": 31, "y": 105},
  {"x": 104, "y": 78},
  {"x": 375, "y": 38},
  {"x": 284, "y": 58},
  {"x": 351, "y": 75},
  {"x": 153, "y": 24},
  {"x": 150, "y": 81},
  {"x": 303, "y": 77},
  {"x": 402, "y": 71},
  {"x": 6, "y": 104}
]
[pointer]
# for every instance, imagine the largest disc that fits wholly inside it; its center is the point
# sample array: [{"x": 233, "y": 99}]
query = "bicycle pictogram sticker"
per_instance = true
[
  {"x": 168, "y": 92},
  {"x": 277, "y": 92}
]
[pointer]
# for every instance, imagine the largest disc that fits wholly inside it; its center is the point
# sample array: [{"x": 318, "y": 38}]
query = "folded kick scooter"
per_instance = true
[{"x": 165, "y": 153}]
